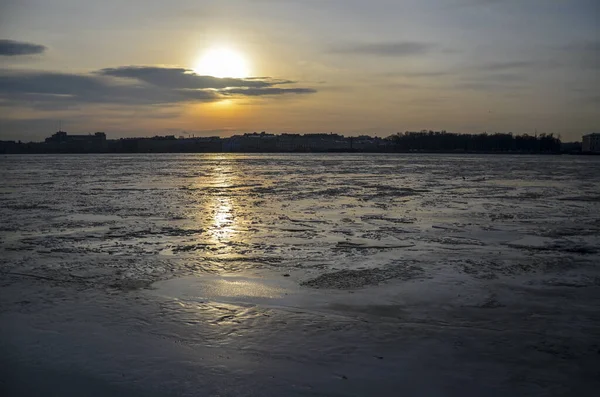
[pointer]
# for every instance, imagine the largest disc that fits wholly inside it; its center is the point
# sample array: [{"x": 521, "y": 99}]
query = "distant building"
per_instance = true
[
  {"x": 199, "y": 145},
  {"x": 367, "y": 143},
  {"x": 62, "y": 137},
  {"x": 570, "y": 147},
  {"x": 287, "y": 142},
  {"x": 591, "y": 143},
  {"x": 325, "y": 142},
  {"x": 9, "y": 146},
  {"x": 251, "y": 142},
  {"x": 61, "y": 142}
]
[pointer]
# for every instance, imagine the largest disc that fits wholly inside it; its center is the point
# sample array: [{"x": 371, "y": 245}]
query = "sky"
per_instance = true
[{"x": 134, "y": 68}]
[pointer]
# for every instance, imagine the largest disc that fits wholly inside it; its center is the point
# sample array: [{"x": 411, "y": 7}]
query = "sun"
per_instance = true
[{"x": 222, "y": 62}]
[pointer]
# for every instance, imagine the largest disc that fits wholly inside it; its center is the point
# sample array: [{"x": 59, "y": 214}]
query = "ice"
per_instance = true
[
  {"x": 235, "y": 212},
  {"x": 301, "y": 274}
]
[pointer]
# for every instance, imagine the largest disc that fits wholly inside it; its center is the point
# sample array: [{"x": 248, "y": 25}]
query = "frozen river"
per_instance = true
[{"x": 329, "y": 274}]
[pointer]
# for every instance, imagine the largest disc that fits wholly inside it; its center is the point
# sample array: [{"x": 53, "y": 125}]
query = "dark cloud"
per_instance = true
[
  {"x": 395, "y": 49},
  {"x": 267, "y": 91},
  {"x": 501, "y": 66},
  {"x": 14, "y": 48},
  {"x": 496, "y": 71},
  {"x": 59, "y": 90},
  {"x": 147, "y": 86},
  {"x": 48, "y": 83},
  {"x": 185, "y": 78},
  {"x": 506, "y": 84},
  {"x": 506, "y": 78}
]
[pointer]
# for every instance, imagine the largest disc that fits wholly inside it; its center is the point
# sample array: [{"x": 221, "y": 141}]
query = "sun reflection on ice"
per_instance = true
[
  {"x": 222, "y": 211},
  {"x": 223, "y": 225}
]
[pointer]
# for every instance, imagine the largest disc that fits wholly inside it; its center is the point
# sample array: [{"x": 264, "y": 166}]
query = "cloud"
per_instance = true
[
  {"x": 507, "y": 71},
  {"x": 185, "y": 78},
  {"x": 267, "y": 91},
  {"x": 60, "y": 90},
  {"x": 426, "y": 74},
  {"x": 129, "y": 85},
  {"x": 14, "y": 48},
  {"x": 501, "y": 66},
  {"x": 394, "y": 49},
  {"x": 493, "y": 83}
]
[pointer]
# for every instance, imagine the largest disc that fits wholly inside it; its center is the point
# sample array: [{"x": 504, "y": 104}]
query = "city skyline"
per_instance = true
[
  {"x": 220, "y": 68},
  {"x": 416, "y": 142}
]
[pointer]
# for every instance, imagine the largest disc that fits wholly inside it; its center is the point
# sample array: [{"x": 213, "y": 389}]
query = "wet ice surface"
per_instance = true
[{"x": 439, "y": 275}]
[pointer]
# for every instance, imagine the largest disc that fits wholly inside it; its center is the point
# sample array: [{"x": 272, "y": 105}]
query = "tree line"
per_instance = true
[{"x": 442, "y": 141}]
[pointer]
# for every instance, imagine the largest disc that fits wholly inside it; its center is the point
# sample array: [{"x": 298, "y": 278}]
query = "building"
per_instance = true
[
  {"x": 61, "y": 142},
  {"x": 62, "y": 137},
  {"x": 591, "y": 143},
  {"x": 288, "y": 142},
  {"x": 211, "y": 144},
  {"x": 365, "y": 143},
  {"x": 251, "y": 142},
  {"x": 9, "y": 147},
  {"x": 325, "y": 142}
]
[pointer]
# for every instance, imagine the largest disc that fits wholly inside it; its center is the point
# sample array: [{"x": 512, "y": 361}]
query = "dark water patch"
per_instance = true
[
  {"x": 127, "y": 189},
  {"x": 19, "y": 248},
  {"x": 27, "y": 207},
  {"x": 491, "y": 303},
  {"x": 218, "y": 189},
  {"x": 593, "y": 198},
  {"x": 47, "y": 183},
  {"x": 266, "y": 190},
  {"x": 580, "y": 282},
  {"x": 381, "y": 310},
  {"x": 303, "y": 220},
  {"x": 327, "y": 193},
  {"x": 74, "y": 250},
  {"x": 353, "y": 279},
  {"x": 393, "y": 191},
  {"x": 131, "y": 284},
  {"x": 455, "y": 241},
  {"x": 492, "y": 269},
  {"x": 193, "y": 247},
  {"x": 296, "y": 230},
  {"x": 571, "y": 232},
  {"x": 522, "y": 196},
  {"x": 348, "y": 245},
  {"x": 560, "y": 246},
  {"x": 82, "y": 224},
  {"x": 498, "y": 216},
  {"x": 97, "y": 272},
  {"x": 384, "y": 218},
  {"x": 193, "y": 175},
  {"x": 332, "y": 192},
  {"x": 395, "y": 230},
  {"x": 144, "y": 233}
]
